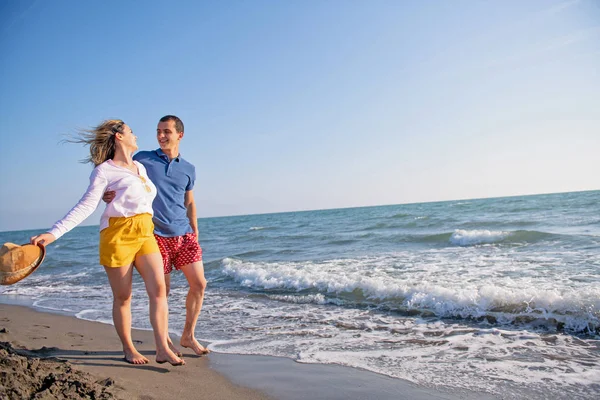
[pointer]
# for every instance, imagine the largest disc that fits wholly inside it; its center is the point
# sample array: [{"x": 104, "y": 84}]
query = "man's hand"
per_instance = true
[{"x": 109, "y": 196}]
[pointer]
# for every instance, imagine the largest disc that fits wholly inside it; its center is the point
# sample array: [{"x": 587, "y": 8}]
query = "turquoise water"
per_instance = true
[{"x": 493, "y": 294}]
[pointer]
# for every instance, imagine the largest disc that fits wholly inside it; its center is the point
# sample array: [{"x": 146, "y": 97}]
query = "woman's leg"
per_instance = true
[
  {"x": 173, "y": 348},
  {"x": 150, "y": 267},
  {"x": 120, "y": 283}
]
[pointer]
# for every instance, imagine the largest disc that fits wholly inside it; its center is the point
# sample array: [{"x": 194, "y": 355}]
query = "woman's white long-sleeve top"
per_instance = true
[{"x": 134, "y": 194}]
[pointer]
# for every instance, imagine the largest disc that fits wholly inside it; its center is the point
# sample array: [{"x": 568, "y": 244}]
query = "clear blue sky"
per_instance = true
[{"x": 296, "y": 105}]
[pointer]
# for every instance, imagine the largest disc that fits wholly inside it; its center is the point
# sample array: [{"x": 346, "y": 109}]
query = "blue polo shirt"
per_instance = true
[{"x": 172, "y": 179}]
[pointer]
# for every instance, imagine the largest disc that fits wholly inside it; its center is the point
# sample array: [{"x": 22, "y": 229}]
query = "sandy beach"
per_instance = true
[
  {"x": 94, "y": 348},
  {"x": 59, "y": 356}
]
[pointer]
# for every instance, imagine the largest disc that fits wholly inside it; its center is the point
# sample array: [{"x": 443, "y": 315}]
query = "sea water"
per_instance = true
[{"x": 498, "y": 295}]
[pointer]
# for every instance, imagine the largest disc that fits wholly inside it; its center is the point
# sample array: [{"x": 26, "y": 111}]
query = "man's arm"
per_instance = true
[
  {"x": 109, "y": 196},
  {"x": 190, "y": 205}
]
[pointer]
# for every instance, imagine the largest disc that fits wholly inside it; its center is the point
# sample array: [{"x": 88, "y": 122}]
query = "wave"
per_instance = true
[
  {"x": 254, "y": 253},
  {"x": 460, "y": 203},
  {"x": 458, "y": 237},
  {"x": 401, "y": 215},
  {"x": 341, "y": 241},
  {"x": 569, "y": 309},
  {"x": 415, "y": 222},
  {"x": 262, "y": 228},
  {"x": 377, "y": 226},
  {"x": 462, "y": 237},
  {"x": 409, "y": 233}
]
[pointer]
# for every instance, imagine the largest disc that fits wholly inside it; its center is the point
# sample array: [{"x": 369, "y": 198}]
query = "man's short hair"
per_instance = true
[{"x": 178, "y": 122}]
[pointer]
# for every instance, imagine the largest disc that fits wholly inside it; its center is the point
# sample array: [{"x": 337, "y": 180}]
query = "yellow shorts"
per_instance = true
[{"x": 125, "y": 238}]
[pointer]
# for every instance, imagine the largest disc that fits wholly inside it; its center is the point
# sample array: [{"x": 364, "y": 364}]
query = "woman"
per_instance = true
[{"x": 126, "y": 232}]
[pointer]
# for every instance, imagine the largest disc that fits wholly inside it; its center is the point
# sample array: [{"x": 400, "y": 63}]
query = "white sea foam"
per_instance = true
[
  {"x": 311, "y": 298},
  {"x": 43, "y": 304},
  {"x": 48, "y": 290},
  {"x": 427, "y": 287},
  {"x": 462, "y": 237},
  {"x": 464, "y": 356}
]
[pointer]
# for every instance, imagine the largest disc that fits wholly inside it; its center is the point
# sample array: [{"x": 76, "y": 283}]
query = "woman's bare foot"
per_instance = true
[
  {"x": 174, "y": 349},
  {"x": 168, "y": 356},
  {"x": 192, "y": 343},
  {"x": 134, "y": 357}
]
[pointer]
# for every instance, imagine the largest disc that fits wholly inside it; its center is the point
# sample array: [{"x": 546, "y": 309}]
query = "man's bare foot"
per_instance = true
[
  {"x": 194, "y": 345},
  {"x": 174, "y": 349},
  {"x": 168, "y": 356},
  {"x": 134, "y": 357}
]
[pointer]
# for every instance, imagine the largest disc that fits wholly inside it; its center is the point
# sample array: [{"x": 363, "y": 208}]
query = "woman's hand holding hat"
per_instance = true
[
  {"x": 44, "y": 239},
  {"x": 17, "y": 262}
]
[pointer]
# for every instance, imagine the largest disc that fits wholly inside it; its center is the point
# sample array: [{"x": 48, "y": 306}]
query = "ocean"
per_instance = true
[{"x": 498, "y": 295}]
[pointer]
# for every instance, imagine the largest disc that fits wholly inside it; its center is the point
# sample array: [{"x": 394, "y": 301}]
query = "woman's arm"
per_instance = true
[{"x": 83, "y": 209}]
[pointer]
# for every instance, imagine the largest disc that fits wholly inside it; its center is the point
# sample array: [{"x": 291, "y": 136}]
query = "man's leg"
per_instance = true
[
  {"x": 166, "y": 246},
  {"x": 194, "y": 274},
  {"x": 168, "y": 282}
]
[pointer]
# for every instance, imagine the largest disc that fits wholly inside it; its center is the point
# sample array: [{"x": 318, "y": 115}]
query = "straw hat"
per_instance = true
[{"x": 17, "y": 262}]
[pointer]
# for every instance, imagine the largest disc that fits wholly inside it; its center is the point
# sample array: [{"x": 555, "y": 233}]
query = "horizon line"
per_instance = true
[{"x": 352, "y": 207}]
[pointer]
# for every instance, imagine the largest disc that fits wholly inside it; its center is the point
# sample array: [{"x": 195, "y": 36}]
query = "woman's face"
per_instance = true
[{"x": 128, "y": 139}]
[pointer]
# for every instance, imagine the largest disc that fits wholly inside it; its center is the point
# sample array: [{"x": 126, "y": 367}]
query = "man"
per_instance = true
[{"x": 175, "y": 223}]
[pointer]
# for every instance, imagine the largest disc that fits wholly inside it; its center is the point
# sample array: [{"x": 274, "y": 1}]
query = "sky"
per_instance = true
[{"x": 300, "y": 105}]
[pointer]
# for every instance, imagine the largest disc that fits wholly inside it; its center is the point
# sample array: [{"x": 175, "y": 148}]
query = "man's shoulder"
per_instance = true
[
  {"x": 148, "y": 157},
  {"x": 186, "y": 164},
  {"x": 144, "y": 155}
]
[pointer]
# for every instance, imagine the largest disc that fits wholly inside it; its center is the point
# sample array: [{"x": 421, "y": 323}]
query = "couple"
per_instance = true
[{"x": 149, "y": 223}]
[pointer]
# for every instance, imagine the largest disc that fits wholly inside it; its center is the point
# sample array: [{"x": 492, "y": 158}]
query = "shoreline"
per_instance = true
[{"x": 94, "y": 348}]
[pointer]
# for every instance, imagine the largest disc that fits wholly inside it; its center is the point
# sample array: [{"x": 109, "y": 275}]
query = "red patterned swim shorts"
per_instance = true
[{"x": 178, "y": 251}]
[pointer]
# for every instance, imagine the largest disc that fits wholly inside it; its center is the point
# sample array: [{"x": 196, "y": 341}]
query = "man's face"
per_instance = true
[{"x": 167, "y": 135}]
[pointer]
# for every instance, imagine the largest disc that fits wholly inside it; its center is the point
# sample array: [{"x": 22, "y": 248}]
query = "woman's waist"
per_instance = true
[
  {"x": 124, "y": 210},
  {"x": 120, "y": 220}
]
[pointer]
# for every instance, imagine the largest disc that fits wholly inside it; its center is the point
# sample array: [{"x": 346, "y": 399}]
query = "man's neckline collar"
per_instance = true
[{"x": 162, "y": 154}]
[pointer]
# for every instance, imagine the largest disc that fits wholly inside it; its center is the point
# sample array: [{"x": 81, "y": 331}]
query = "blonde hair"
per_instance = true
[{"x": 101, "y": 140}]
